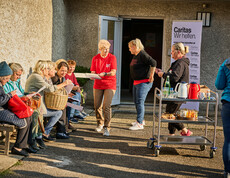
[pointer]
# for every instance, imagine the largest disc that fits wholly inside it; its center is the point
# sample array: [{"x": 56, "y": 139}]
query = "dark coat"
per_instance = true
[{"x": 179, "y": 72}]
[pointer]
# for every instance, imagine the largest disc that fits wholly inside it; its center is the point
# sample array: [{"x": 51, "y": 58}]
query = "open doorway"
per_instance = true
[{"x": 150, "y": 32}]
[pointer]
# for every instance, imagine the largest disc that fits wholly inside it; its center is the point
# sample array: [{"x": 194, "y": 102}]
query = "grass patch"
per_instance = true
[{"x": 8, "y": 171}]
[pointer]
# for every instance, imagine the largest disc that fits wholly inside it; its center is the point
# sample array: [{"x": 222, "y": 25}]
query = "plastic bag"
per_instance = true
[{"x": 19, "y": 108}]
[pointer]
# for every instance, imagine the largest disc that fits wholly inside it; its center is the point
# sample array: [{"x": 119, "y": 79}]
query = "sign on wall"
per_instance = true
[{"x": 189, "y": 33}]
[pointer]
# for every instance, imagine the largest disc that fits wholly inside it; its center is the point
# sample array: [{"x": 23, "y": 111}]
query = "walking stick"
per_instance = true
[{"x": 41, "y": 125}]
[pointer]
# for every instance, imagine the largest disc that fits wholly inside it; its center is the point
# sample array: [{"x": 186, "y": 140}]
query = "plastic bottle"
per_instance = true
[{"x": 166, "y": 88}]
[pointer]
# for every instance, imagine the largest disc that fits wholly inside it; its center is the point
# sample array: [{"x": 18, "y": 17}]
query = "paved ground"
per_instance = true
[{"x": 123, "y": 154}]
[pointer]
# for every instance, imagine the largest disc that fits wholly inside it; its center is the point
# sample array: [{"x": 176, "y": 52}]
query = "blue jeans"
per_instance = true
[
  {"x": 54, "y": 117},
  {"x": 74, "y": 112},
  {"x": 140, "y": 93},
  {"x": 225, "y": 114}
]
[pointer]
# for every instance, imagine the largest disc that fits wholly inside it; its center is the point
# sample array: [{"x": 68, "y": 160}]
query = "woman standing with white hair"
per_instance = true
[
  {"x": 105, "y": 65},
  {"x": 142, "y": 68}
]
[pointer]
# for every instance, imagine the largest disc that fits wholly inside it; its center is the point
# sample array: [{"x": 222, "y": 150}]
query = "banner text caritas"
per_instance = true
[{"x": 183, "y": 33}]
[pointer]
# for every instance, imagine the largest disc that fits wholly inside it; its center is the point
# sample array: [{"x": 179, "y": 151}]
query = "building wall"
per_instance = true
[
  {"x": 60, "y": 25},
  {"x": 83, "y": 28},
  {"x": 25, "y": 32}
]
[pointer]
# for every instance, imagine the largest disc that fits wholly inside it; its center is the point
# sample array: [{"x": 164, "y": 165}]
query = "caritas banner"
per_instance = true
[{"x": 189, "y": 33}]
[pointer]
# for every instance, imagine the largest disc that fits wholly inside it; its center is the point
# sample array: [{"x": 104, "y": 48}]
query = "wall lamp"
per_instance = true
[{"x": 205, "y": 17}]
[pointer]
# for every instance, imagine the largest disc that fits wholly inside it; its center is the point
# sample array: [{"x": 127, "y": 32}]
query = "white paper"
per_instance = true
[
  {"x": 87, "y": 75},
  {"x": 77, "y": 107},
  {"x": 32, "y": 94},
  {"x": 69, "y": 88},
  {"x": 74, "y": 99}
]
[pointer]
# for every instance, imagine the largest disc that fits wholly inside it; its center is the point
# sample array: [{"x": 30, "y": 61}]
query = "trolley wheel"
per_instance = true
[
  {"x": 150, "y": 144},
  {"x": 212, "y": 153},
  {"x": 202, "y": 147},
  {"x": 157, "y": 152}
]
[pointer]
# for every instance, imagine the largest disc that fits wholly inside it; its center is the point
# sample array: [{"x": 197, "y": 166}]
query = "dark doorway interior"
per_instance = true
[{"x": 150, "y": 32}]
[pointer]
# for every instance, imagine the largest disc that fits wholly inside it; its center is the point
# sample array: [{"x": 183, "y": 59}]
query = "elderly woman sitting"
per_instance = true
[
  {"x": 6, "y": 116},
  {"x": 37, "y": 80},
  {"x": 15, "y": 84}
]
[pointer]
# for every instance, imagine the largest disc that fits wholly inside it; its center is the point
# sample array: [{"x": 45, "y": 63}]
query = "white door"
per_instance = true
[{"x": 110, "y": 28}]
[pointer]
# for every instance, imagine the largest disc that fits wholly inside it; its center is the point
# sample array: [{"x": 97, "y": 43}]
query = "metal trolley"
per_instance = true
[{"x": 158, "y": 139}]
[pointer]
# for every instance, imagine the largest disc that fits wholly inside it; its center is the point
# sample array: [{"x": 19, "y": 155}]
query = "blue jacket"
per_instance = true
[
  {"x": 16, "y": 85},
  {"x": 223, "y": 80}
]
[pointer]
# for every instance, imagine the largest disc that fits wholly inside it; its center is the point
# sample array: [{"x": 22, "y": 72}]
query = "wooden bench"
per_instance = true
[{"x": 7, "y": 128}]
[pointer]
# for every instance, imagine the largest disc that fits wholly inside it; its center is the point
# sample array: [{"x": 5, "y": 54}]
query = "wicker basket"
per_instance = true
[{"x": 56, "y": 100}]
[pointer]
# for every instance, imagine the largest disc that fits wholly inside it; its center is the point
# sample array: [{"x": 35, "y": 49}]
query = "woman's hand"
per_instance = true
[
  {"x": 151, "y": 79},
  {"x": 13, "y": 93},
  {"x": 160, "y": 74},
  {"x": 67, "y": 82},
  {"x": 102, "y": 74},
  {"x": 70, "y": 95},
  {"x": 158, "y": 70}
]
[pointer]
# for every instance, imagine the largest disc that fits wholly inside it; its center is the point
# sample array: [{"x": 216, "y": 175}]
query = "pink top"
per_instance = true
[{"x": 72, "y": 78}]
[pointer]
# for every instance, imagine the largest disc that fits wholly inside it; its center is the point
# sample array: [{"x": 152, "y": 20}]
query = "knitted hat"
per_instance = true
[{"x": 5, "y": 70}]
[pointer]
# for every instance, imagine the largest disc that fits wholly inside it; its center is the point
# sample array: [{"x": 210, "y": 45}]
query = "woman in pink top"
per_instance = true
[{"x": 105, "y": 65}]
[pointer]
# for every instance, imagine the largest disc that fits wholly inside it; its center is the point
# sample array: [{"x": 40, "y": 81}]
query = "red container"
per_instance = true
[{"x": 194, "y": 89}]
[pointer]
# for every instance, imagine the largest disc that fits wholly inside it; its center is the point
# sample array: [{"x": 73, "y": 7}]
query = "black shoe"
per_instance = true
[
  {"x": 62, "y": 136},
  {"x": 31, "y": 150},
  {"x": 48, "y": 139},
  {"x": 67, "y": 133},
  {"x": 34, "y": 145},
  {"x": 22, "y": 152},
  {"x": 41, "y": 143},
  {"x": 79, "y": 117}
]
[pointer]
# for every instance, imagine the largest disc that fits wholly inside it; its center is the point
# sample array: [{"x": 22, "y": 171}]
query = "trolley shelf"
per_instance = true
[
  {"x": 158, "y": 139},
  {"x": 201, "y": 120},
  {"x": 184, "y": 140}
]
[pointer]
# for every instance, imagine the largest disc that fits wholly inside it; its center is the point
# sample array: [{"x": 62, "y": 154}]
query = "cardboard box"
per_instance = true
[{"x": 204, "y": 89}]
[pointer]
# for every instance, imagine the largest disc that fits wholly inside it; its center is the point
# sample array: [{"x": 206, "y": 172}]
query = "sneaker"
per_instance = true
[
  {"x": 133, "y": 123},
  {"x": 61, "y": 136},
  {"x": 73, "y": 120},
  {"x": 34, "y": 145},
  {"x": 106, "y": 132},
  {"x": 189, "y": 133},
  {"x": 41, "y": 144},
  {"x": 79, "y": 117},
  {"x": 99, "y": 128},
  {"x": 137, "y": 126},
  {"x": 84, "y": 114},
  {"x": 48, "y": 139}
]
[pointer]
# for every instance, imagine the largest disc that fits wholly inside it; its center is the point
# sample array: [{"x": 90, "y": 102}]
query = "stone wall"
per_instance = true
[
  {"x": 83, "y": 28},
  {"x": 25, "y": 32},
  {"x": 60, "y": 26}
]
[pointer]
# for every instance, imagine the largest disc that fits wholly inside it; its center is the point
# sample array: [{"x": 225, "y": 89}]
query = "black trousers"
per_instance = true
[
  {"x": 173, "y": 108},
  {"x": 23, "y": 135}
]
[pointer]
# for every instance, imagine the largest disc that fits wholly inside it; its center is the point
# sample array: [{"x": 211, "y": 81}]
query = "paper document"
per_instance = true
[
  {"x": 87, "y": 75},
  {"x": 32, "y": 94},
  {"x": 74, "y": 99},
  {"x": 77, "y": 107},
  {"x": 69, "y": 88}
]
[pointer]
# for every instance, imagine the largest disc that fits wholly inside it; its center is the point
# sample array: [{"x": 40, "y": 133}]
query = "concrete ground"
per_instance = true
[{"x": 123, "y": 154}]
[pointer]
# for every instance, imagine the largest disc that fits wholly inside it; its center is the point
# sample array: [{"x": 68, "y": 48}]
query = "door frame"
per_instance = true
[
  {"x": 102, "y": 33},
  {"x": 165, "y": 51}
]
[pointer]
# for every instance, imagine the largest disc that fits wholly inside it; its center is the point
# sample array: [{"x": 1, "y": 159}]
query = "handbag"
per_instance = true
[
  {"x": 19, "y": 108},
  {"x": 34, "y": 102}
]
